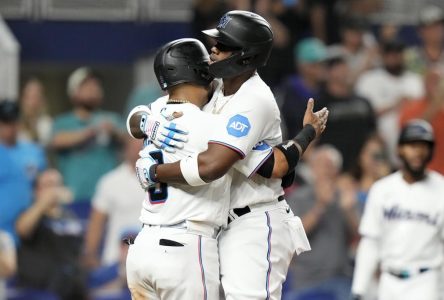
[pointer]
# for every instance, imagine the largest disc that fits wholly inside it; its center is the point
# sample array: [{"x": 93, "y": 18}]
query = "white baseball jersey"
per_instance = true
[
  {"x": 252, "y": 118},
  {"x": 407, "y": 220},
  {"x": 170, "y": 204}
]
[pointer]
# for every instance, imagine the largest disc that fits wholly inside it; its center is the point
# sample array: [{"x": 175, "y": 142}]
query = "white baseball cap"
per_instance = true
[
  {"x": 430, "y": 14},
  {"x": 77, "y": 78}
]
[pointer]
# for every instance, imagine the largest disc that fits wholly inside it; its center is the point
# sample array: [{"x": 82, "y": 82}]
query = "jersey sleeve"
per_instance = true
[
  {"x": 372, "y": 218},
  {"x": 244, "y": 128},
  {"x": 254, "y": 160}
]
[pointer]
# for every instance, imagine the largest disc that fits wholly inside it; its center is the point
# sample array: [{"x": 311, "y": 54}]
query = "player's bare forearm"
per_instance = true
[
  {"x": 216, "y": 161},
  {"x": 287, "y": 154},
  {"x": 170, "y": 173},
  {"x": 280, "y": 168},
  {"x": 213, "y": 163}
]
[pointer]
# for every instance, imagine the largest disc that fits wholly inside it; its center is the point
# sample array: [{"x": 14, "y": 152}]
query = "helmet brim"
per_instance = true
[{"x": 213, "y": 33}]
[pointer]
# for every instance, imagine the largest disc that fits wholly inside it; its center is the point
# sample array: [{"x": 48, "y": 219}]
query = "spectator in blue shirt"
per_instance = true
[
  {"x": 298, "y": 88},
  {"x": 15, "y": 192},
  {"x": 19, "y": 164},
  {"x": 29, "y": 156},
  {"x": 86, "y": 139}
]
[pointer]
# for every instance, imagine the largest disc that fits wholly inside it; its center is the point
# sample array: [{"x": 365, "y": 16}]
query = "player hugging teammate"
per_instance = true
[{"x": 215, "y": 207}]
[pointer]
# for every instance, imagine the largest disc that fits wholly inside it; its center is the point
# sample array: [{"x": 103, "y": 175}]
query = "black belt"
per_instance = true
[
  {"x": 406, "y": 274},
  {"x": 245, "y": 210}
]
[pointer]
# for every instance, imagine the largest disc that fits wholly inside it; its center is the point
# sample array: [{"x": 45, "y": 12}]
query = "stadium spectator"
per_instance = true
[
  {"x": 351, "y": 117},
  {"x": 35, "y": 123},
  {"x": 109, "y": 282},
  {"x": 115, "y": 209},
  {"x": 289, "y": 24},
  {"x": 8, "y": 260},
  {"x": 15, "y": 192},
  {"x": 431, "y": 31},
  {"x": 324, "y": 20},
  {"x": 86, "y": 139},
  {"x": 48, "y": 257},
  {"x": 358, "y": 46},
  {"x": 371, "y": 165},
  {"x": 330, "y": 220},
  {"x": 431, "y": 109},
  {"x": 29, "y": 156},
  {"x": 298, "y": 88},
  {"x": 387, "y": 88}
]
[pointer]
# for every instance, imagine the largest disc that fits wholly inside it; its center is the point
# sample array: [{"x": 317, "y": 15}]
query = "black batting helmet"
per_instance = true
[
  {"x": 181, "y": 61},
  {"x": 249, "y": 34},
  {"x": 417, "y": 131}
]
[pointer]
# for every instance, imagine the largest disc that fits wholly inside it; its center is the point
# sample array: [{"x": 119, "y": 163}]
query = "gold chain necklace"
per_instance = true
[
  {"x": 177, "y": 101},
  {"x": 217, "y": 111}
]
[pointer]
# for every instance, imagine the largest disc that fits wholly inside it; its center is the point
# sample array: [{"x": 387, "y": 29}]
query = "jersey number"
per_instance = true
[{"x": 159, "y": 192}]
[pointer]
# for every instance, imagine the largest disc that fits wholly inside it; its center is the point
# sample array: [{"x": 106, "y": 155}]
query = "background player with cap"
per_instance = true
[
  {"x": 263, "y": 233},
  {"x": 403, "y": 225}
]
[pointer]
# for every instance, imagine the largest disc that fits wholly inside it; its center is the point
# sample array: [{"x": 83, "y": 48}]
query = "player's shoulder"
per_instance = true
[
  {"x": 255, "y": 97},
  {"x": 157, "y": 105},
  {"x": 436, "y": 179},
  {"x": 387, "y": 182},
  {"x": 256, "y": 88}
]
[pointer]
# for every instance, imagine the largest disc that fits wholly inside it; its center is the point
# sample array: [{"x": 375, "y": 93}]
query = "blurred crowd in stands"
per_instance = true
[{"x": 69, "y": 196}]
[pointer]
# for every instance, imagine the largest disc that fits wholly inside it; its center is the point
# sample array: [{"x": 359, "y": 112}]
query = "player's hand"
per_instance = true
[
  {"x": 316, "y": 119},
  {"x": 143, "y": 166},
  {"x": 160, "y": 129}
]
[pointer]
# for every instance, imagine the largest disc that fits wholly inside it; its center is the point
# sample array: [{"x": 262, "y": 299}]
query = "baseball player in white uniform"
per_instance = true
[
  {"x": 403, "y": 225},
  {"x": 175, "y": 256},
  {"x": 263, "y": 234}
]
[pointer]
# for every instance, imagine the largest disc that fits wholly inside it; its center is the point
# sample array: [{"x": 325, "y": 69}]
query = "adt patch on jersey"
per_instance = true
[{"x": 238, "y": 126}]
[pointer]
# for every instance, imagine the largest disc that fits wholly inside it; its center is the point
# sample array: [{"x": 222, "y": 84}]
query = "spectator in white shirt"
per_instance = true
[
  {"x": 115, "y": 209},
  {"x": 387, "y": 88}
]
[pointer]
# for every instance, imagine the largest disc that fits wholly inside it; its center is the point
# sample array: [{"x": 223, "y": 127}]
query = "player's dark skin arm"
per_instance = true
[{"x": 210, "y": 168}]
